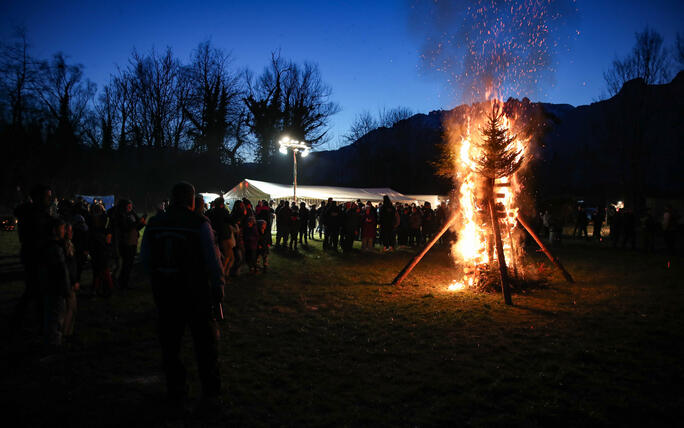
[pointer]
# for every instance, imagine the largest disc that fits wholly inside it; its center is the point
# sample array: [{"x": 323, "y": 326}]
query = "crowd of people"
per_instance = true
[
  {"x": 339, "y": 225},
  {"x": 190, "y": 251},
  {"x": 625, "y": 229},
  {"x": 61, "y": 238}
]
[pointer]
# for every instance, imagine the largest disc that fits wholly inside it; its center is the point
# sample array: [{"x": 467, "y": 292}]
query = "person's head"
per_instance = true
[
  {"x": 219, "y": 202},
  {"x": 183, "y": 195},
  {"x": 368, "y": 209},
  {"x": 199, "y": 204},
  {"x": 41, "y": 195},
  {"x": 302, "y": 205},
  {"x": 386, "y": 200},
  {"x": 68, "y": 231},
  {"x": 261, "y": 226},
  {"x": 57, "y": 228},
  {"x": 251, "y": 221}
]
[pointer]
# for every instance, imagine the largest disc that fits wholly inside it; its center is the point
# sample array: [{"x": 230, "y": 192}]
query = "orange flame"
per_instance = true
[{"x": 472, "y": 249}]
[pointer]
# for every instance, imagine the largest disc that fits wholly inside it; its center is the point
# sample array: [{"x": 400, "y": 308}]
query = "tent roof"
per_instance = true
[{"x": 255, "y": 189}]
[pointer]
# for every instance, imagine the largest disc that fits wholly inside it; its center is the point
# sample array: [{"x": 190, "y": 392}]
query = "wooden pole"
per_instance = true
[
  {"x": 513, "y": 252},
  {"x": 546, "y": 251},
  {"x": 503, "y": 271},
  {"x": 414, "y": 261}
]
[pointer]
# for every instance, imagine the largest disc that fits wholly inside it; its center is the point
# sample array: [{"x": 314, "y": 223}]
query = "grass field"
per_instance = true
[{"x": 323, "y": 340}]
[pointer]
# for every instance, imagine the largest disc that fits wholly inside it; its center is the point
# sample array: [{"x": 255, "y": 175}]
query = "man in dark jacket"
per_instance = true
[
  {"x": 387, "y": 216},
  {"x": 187, "y": 281},
  {"x": 34, "y": 232},
  {"x": 303, "y": 224},
  {"x": 282, "y": 223}
]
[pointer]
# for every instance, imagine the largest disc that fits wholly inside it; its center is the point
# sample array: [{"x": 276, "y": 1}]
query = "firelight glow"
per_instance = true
[{"x": 473, "y": 249}]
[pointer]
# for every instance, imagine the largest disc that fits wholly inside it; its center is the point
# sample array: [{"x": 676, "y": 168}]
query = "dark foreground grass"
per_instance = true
[{"x": 322, "y": 339}]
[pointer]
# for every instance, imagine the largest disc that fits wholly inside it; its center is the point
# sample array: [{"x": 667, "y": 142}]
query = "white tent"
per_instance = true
[{"x": 255, "y": 190}]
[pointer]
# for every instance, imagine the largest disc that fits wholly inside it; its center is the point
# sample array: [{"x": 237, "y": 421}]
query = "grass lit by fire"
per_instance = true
[{"x": 321, "y": 339}]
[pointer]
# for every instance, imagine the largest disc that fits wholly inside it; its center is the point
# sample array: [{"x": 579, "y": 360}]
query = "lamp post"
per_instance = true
[{"x": 296, "y": 146}]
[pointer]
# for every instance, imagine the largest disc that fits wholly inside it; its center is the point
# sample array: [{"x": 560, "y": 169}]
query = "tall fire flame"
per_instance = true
[{"x": 474, "y": 247}]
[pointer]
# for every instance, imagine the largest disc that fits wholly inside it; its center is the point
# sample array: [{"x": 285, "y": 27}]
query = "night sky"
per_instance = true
[{"x": 366, "y": 50}]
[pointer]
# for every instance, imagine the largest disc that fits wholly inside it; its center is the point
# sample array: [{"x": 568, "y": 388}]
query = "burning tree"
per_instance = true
[{"x": 497, "y": 157}]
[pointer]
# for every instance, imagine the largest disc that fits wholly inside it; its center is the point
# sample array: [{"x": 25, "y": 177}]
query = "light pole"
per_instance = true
[{"x": 296, "y": 146}]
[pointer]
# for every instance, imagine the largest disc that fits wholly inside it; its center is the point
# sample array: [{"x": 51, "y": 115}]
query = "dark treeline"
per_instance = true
[{"x": 156, "y": 115}]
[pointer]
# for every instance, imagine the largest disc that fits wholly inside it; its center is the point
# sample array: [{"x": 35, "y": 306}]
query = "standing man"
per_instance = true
[
  {"x": 34, "y": 233},
  {"x": 187, "y": 282},
  {"x": 129, "y": 232}
]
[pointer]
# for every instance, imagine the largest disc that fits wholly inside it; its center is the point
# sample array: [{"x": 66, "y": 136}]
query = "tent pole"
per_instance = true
[{"x": 294, "y": 155}]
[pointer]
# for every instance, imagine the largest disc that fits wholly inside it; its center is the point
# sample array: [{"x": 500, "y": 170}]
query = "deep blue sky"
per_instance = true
[{"x": 364, "y": 48}]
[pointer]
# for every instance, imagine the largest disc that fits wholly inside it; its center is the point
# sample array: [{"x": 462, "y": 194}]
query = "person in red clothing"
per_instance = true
[{"x": 368, "y": 228}]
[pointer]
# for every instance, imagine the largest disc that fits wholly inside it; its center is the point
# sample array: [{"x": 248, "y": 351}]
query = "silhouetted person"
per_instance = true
[
  {"x": 282, "y": 214},
  {"x": 388, "y": 221},
  {"x": 57, "y": 285},
  {"x": 303, "y": 224},
  {"x": 617, "y": 226},
  {"x": 34, "y": 231},
  {"x": 649, "y": 226},
  {"x": 187, "y": 281},
  {"x": 669, "y": 226},
  {"x": 597, "y": 220},
  {"x": 129, "y": 224},
  {"x": 581, "y": 222}
]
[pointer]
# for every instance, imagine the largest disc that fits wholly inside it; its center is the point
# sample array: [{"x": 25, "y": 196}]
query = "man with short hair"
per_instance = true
[{"x": 187, "y": 281}]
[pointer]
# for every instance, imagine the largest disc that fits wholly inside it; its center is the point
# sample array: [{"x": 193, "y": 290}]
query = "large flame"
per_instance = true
[{"x": 473, "y": 248}]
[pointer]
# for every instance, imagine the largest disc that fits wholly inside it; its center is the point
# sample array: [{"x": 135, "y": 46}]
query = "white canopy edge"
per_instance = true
[{"x": 265, "y": 190}]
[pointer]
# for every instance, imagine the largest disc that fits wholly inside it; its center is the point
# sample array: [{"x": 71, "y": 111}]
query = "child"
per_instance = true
[{"x": 263, "y": 244}]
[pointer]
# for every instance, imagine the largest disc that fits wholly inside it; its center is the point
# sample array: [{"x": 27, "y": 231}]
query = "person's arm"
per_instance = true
[{"x": 211, "y": 260}]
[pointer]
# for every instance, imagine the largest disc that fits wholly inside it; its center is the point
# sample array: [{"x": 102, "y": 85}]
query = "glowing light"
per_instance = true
[
  {"x": 305, "y": 153},
  {"x": 456, "y": 286},
  {"x": 283, "y": 150}
]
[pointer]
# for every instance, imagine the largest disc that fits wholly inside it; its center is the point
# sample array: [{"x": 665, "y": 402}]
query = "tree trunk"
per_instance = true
[{"x": 503, "y": 270}]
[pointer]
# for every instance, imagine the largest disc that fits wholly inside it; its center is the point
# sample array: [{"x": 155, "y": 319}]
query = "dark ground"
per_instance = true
[{"x": 322, "y": 340}]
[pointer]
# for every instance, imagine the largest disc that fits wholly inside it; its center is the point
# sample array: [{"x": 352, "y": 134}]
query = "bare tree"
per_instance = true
[
  {"x": 648, "y": 60},
  {"x": 17, "y": 76},
  {"x": 307, "y": 104},
  {"x": 66, "y": 97},
  {"x": 159, "y": 92},
  {"x": 363, "y": 123},
  {"x": 264, "y": 102},
  {"x": 390, "y": 117},
  {"x": 287, "y": 98},
  {"x": 213, "y": 103},
  {"x": 106, "y": 114}
]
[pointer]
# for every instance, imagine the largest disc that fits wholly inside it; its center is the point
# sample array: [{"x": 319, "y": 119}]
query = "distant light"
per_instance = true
[
  {"x": 283, "y": 150},
  {"x": 284, "y": 139},
  {"x": 305, "y": 153}
]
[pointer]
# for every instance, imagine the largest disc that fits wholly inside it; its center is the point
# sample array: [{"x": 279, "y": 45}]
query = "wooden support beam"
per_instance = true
[
  {"x": 546, "y": 251},
  {"x": 414, "y": 261}
]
